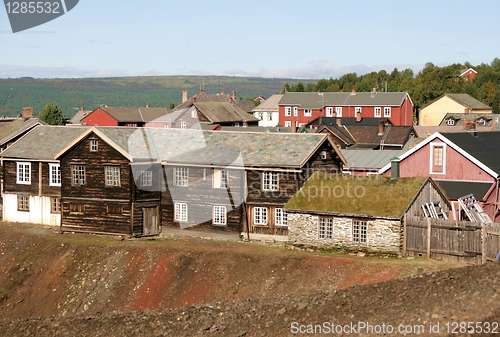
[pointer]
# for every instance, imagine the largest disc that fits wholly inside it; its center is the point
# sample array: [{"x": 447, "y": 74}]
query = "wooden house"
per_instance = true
[
  {"x": 300, "y": 108},
  {"x": 132, "y": 181},
  {"x": 31, "y": 188},
  {"x": 15, "y": 129},
  {"x": 118, "y": 116},
  {"x": 358, "y": 213},
  {"x": 221, "y": 113},
  {"x": 268, "y": 111},
  {"x": 462, "y": 163}
]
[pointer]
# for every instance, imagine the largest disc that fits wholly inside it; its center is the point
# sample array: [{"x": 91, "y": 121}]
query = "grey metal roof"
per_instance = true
[
  {"x": 270, "y": 104},
  {"x": 369, "y": 159},
  {"x": 215, "y": 147},
  {"x": 44, "y": 142},
  {"x": 313, "y": 100}
]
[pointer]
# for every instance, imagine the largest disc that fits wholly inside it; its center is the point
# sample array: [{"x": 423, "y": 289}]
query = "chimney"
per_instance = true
[
  {"x": 353, "y": 91},
  {"x": 193, "y": 99},
  {"x": 222, "y": 93},
  {"x": 148, "y": 106},
  {"x": 468, "y": 124},
  {"x": 245, "y": 124},
  {"x": 27, "y": 112},
  {"x": 294, "y": 127},
  {"x": 358, "y": 117},
  {"x": 339, "y": 121},
  {"x": 202, "y": 91},
  {"x": 234, "y": 95},
  {"x": 82, "y": 108},
  {"x": 394, "y": 168},
  {"x": 381, "y": 128},
  {"x": 374, "y": 92},
  {"x": 184, "y": 96},
  {"x": 466, "y": 110},
  {"x": 230, "y": 99}
]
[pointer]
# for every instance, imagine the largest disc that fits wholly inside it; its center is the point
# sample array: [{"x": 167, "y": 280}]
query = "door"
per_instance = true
[{"x": 150, "y": 220}]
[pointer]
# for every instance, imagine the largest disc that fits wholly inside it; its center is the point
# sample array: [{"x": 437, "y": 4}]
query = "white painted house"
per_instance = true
[{"x": 268, "y": 111}]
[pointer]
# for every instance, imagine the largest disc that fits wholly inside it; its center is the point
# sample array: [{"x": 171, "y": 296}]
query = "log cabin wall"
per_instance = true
[
  {"x": 200, "y": 197},
  {"x": 147, "y": 188},
  {"x": 93, "y": 206}
]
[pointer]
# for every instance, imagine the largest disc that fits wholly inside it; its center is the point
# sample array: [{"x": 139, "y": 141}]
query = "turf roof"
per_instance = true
[{"x": 373, "y": 196}]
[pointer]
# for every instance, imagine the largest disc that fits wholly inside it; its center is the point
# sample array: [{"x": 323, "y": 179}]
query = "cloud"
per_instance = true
[
  {"x": 14, "y": 71},
  {"x": 99, "y": 41}
]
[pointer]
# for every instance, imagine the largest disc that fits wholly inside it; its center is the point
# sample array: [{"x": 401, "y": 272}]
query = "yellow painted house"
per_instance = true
[{"x": 432, "y": 113}]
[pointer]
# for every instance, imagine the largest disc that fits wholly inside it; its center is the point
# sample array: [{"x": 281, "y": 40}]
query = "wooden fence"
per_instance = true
[{"x": 443, "y": 239}]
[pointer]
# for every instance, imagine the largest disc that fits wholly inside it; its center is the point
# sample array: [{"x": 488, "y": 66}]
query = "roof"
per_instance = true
[
  {"x": 270, "y": 104},
  {"x": 312, "y": 100},
  {"x": 393, "y": 135},
  {"x": 224, "y": 112},
  {"x": 77, "y": 118},
  {"x": 195, "y": 147},
  {"x": 17, "y": 127},
  {"x": 468, "y": 70},
  {"x": 135, "y": 114},
  {"x": 457, "y": 189},
  {"x": 356, "y": 196},
  {"x": 369, "y": 159},
  {"x": 426, "y": 131},
  {"x": 256, "y": 129},
  {"x": 44, "y": 142},
  {"x": 489, "y": 119},
  {"x": 328, "y": 121},
  {"x": 222, "y": 97},
  {"x": 463, "y": 99}
]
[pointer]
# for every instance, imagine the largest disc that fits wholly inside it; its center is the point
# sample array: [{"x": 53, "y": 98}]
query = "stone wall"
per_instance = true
[{"x": 382, "y": 235}]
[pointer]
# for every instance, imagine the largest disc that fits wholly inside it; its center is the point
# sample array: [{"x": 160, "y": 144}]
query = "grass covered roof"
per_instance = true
[{"x": 373, "y": 196}]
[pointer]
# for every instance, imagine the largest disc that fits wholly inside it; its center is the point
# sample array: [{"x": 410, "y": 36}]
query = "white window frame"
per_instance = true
[
  {"x": 288, "y": 111},
  {"x": 181, "y": 176},
  {"x": 338, "y": 111},
  {"x": 23, "y": 173},
  {"x": 78, "y": 176},
  {"x": 358, "y": 110},
  {"x": 270, "y": 181},
  {"x": 450, "y": 122},
  {"x": 94, "y": 145},
  {"x": 431, "y": 158},
  {"x": 146, "y": 178},
  {"x": 220, "y": 178},
  {"x": 54, "y": 174},
  {"x": 377, "y": 112},
  {"x": 307, "y": 112},
  {"x": 387, "y": 111},
  {"x": 23, "y": 202},
  {"x": 219, "y": 216},
  {"x": 325, "y": 228},
  {"x": 288, "y": 124},
  {"x": 183, "y": 125},
  {"x": 194, "y": 114},
  {"x": 181, "y": 211},
  {"x": 295, "y": 111},
  {"x": 329, "y": 111},
  {"x": 280, "y": 217},
  {"x": 360, "y": 231},
  {"x": 269, "y": 115},
  {"x": 111, "y": 175},
  {"x": 260, "y": 216},
  {"x": 166, "y": 126}
]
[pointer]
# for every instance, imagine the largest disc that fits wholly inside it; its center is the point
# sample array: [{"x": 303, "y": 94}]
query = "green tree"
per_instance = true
[{"x": 51, "y": 114}]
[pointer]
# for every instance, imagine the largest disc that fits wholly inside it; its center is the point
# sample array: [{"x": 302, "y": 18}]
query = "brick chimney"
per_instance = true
[
  {"x": 339, "y": 121},
  {"x": 230, "y": 99},
  {"x": 82, "y": 108},
  {"x": 294, "y": 127},
  {"x": 148, "y": 106},
  {"x": 353, "y": 91},
  {"x": 381, "y": 126},
  {"x": 468, "y": 124},
  {"x": 27, "y": 112},
  {"x": 358, "y": 117},
  {"x": 234, "y": 95},
  {"x": 184, "y": 96},
  {"x": 193, "y": 99}
]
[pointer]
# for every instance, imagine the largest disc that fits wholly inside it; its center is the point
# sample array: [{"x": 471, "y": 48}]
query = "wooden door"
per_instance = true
[{"x": 150, "y": 220}]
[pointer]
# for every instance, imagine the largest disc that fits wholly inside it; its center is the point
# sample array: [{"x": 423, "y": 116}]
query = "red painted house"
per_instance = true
[
  {"x": 461, "y": 163},
  {"x": 469, "y": 73},
  {"x": 299, "y": 108},
  {"x": 118, "y": 116}
]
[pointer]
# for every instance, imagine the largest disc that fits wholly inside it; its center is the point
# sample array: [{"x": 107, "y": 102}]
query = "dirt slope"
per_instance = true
[{"x": 44, "y": 273}]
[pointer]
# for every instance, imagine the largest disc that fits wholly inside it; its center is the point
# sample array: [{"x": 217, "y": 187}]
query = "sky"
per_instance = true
[{"x": 307, "y": 39}]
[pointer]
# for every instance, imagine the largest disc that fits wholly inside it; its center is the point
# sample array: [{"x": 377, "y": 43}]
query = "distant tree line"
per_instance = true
[{"x": 430, "y": 83}]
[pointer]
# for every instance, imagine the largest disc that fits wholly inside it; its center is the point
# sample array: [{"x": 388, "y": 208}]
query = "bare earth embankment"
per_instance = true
[{"x": 82, "y": 285}]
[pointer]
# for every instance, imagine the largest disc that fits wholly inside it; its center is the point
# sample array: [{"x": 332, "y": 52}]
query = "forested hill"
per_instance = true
[{"x": 158, "y": 91}]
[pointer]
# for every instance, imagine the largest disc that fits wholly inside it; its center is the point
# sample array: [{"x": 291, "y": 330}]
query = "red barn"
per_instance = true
[
  {"x": 299, "y": 108},
  {"x": 469, "y": 73}
]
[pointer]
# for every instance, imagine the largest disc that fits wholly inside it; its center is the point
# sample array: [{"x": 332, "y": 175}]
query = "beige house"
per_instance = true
[{"x": 432, "y": 113}]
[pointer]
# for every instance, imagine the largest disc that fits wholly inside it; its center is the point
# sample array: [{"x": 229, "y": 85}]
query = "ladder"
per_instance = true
[
  {"x": 434, "y": 210},
  {"x": 474, "y": 211}
]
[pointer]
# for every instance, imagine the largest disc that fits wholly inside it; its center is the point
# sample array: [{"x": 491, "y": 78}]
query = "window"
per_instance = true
[
  {"x": 181, "y": 211},
  {"x": 260, "y": 215},
  {"x": 288, "y": 111},
  {"x": 387, "y": 112},
  {"x": 93, "y": 145},
  {"x": 260, "y": 116},
  {"x": 288, "y": 124},
  {"x": 166, "y": 126},
  {"x": 112, "y": 175},
  {"x": 78, "y": 174},
  {"x": 194, "y": 114},
  {"x": 359, "y": 229},
  {"x": 181, "y": 176},
  {"x": 220, "y": 178},
  {"x": 55, "y": 175},
  {"x": 295, "y": 111},
  {"x": 55, "y": 205},
  {"x": 23, "y": 173},
  {"x": 131, "y": 125},
  {"x": 481, "y": 122},
  {"x": 146, "y": 178},
  {"x": 270, "y": 181},
  {"x": 357, "y": 111},
  {"x": 269, "y": 116},
  {"x": 338, "y": 111},
  {"x": 23, "y": 202},
  {"x": 76, "y": 208},
  {"x": 438, "y": 158},
  {"x": 377, "y": 112},
  {"x": 183, "y": 125},
  {"x": 307, "y": 112},
  {"x": 219, "y": 216},
  {"x": 325, "y": 228},
  {"x": 280, "y": 217},
  {"x": 329, "y": 111}
]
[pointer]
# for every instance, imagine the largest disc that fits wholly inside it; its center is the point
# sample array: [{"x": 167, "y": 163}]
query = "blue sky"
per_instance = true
[{"x": 310, "y": 39}]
